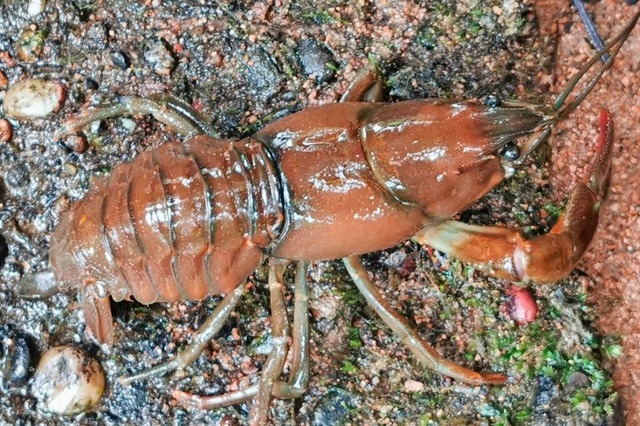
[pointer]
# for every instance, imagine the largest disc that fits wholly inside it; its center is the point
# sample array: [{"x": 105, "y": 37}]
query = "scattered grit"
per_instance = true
[{"x": 612, "y": 261}]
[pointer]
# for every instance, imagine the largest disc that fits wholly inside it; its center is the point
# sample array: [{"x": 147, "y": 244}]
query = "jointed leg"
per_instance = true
[
  {"x": 203, "y": 336},
  {"x": 425, "y": 353},
  {"x": 185, "y": 111},
  {"x": 299, "y": 378},
  {"x": 280, "y": 335},
  {"x": 548, "y": 258},
  {"x": 168, "y": 109},
  {"x": 273, "y": 367},
  {"x": 367, "y": 87}
]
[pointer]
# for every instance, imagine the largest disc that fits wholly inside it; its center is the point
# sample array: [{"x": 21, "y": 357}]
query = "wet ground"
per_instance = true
[{"x": 245, "y": 64}]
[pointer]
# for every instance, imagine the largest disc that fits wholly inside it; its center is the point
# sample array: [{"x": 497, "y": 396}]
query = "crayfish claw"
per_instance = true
[{"x": 507, "y": 254}]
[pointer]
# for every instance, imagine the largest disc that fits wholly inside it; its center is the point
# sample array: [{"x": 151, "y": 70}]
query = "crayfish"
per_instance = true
[{"x": 193, "y": 219}]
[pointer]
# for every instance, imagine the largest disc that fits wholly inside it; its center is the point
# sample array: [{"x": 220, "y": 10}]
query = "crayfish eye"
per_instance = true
[
  {"x": 510, "y": 152},
  {"x": 493, "y": 101}
]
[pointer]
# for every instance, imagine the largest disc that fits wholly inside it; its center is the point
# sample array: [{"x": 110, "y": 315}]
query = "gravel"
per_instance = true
[{"x": 612, "y": 261}]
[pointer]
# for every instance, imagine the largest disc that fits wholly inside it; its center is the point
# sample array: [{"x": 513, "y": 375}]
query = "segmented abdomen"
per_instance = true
[{"x": 183, "y": 221}]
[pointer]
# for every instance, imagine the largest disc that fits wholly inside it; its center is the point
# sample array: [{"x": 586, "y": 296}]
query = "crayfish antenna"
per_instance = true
[
  {"x": 560, "y": 108},
  {"x": 611, "y": 48}
]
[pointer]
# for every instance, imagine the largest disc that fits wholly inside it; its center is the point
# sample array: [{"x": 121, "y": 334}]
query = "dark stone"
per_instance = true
[
  {"x": 545, "y": 392},
  {"x": 577, "y": 380},
  {"x": 493, "y": 101},
  {"x": 91, "y": 84},
  {"x": 316, "y": 60},
  {"x": 17, "y": 356},
  {"x": 131, "y": 406},
  {"x": 510, "y": 152},
  {"x": 333, "y": 407},
  {"x": 262, "y": 74},
  {"x": 120, "y": 59}
]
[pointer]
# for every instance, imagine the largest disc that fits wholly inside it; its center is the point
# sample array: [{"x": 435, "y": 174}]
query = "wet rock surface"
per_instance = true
[{"x": 244, "y": 64}]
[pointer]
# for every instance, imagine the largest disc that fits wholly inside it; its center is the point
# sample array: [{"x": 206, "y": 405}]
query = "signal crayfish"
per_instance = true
[{"x": 194, "y": 219}]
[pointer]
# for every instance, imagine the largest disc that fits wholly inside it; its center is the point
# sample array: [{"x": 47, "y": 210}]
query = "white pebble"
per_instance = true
[
  {"x": 33, "y": 98},
  {"x": 411, "y": 386},
  {"x": 36, "y": 7},
  {"x": 68, "y": 381}
]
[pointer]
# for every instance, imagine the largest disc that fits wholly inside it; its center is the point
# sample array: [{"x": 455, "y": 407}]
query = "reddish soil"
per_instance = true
[{"x": 612, "y": 261}]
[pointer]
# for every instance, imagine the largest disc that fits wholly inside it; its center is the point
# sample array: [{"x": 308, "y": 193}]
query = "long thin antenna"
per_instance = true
[
  {"x": 591, "y": 28},
  {"x": 612, "y": 48}
]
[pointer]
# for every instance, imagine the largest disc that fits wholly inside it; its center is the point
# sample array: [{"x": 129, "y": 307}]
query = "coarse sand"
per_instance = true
[{"x": 612, "y": 261}]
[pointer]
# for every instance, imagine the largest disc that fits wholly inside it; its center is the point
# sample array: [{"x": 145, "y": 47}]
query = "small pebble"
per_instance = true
[
  {"x": 411, "y": 386},
  {"x": 5, "y": 131},
  {"x": 91, "y": 84},
  {"x": 96, "y": 36},
  {"x": 70, "y": 169},
  {"x": 15, "y": 357},
  {"x": 36, "y": 7},
  {"x": 120, "y": 59},
  {"x": 396, "y": 259},
  {"x": 76, "y": 143},
  {"x": 160, "y": 58},
  {"x": 577, "y": 380},
  {"x": 95, "y": 127},
  {"x": 493, "y": 101},
  {"x": 33, "y": 98},
  {"x": 522, "y": 307},
  {"x": 30, "y": 45},
  {"x": 261, "y": 73},
  {"x": 583, "y": 406},
  {"x": 403, "y": 263},
  {"x": 216, "y": 59},
  {"x": 68, "y": 381},
  {"x": 36, "y": 286},
  {"x": 127, "y": 124},
  {"x": 4, "y": 81},
  {"x": 333, "y": 407},
  {"x": 316, "y": 59}
]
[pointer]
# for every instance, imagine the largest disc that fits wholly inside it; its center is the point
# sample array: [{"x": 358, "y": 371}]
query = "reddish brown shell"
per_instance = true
[
  {"x": 185, "y": 221},
  {"x": 179, "y": 222}
]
